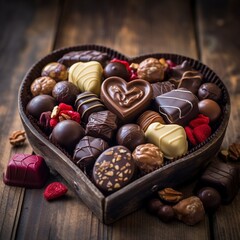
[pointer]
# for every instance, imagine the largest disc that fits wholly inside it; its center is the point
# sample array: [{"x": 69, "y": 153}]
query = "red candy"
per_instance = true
[
  {"x": 63, "y": 112},
  {"x": 198, "y": 129},
  {"x": 55, "y": 190}
]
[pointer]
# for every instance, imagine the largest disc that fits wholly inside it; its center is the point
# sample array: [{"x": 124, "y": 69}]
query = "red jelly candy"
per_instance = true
[
  {"x": 202, "y": 132},
  {"x": 190, "y": 135},
  {"x": 201, "y": 119},
  {"x": 55, "y": 190},
  {"x": 63, "y": 106}
]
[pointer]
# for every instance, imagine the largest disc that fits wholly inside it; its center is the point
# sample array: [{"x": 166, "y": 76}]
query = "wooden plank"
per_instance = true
[
  {"x": 218, "y": 30},
  {"x": 24, "y": 39}
]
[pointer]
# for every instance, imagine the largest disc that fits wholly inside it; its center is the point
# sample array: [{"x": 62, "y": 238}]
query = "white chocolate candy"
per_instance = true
[
  {"x": 170, "y": 138},
  {"x": 86, "y": 76}
]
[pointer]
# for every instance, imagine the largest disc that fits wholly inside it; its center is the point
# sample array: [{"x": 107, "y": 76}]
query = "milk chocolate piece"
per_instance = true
[
  {"x": 160, "y": 88},
  {"x": 148, "y": 157},
  {"x": 223, "y": 177},
  {"x": 184, "y": 76},
  {"x": 113, "y": 169},
  {"x": 70, "y": 58},
  {"x": 87, "y": 151},
  {"x": 178, "y": 106},
  {"x": 147, "y": 118},
  {"x": 210, "y": 109},
  {"x": 65, "y": 92},
  {"x": 171, "y": 139},
  {"x": 87, "y": 103},
  {"x": 126, "y": 99},
  {"x": 40, "y": 104},
  {"x": 25, "y": 170},
  {"x": 67, "y": 134},
  {"x": 86, "y": 76},
  {"x": 102, "y": 124},
  {"x": 151, "y": 70},
  {"x": 210, "y": 91},
  {"x": 56, "y": 71},
  {"x": 130, "y": 135}
]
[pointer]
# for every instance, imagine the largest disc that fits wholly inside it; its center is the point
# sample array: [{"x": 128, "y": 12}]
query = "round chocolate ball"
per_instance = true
[
  {"x": 210, "y": 91},
  {"x": 65, "y": 92},
  {"x": 210, "y": 198},
  {"x": 154, "y": 205},
  {"x": 116, "y": 69},
  {"x": 39, "y": 104},
  {"x": 67, "y": 134},
  {"x": 130, "y": 135},
  {"x": 210, "y": 109},
  {"x": 166, "y": 213}
]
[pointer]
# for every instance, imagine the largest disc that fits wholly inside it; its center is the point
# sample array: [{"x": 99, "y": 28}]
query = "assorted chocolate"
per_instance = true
[{"x": 98, "y": 109}]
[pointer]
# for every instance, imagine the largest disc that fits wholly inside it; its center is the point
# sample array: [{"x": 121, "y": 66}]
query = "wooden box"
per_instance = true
[{"x": 110, "y": 208}]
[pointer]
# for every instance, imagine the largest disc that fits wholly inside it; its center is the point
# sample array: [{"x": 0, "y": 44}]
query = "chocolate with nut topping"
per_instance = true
[{"x": 113, "y": 169}]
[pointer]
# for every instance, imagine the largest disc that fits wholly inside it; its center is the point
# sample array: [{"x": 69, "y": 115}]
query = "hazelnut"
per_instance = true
[
  {"x": 42, "y": 85},
  {"x": 151, "y": 70},
  {"x": 189, "y": 210},
  {"x": 55, "y": 70}
]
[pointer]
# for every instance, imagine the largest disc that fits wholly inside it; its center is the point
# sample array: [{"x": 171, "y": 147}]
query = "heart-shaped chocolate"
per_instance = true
[{"x": 126, "y": 99}]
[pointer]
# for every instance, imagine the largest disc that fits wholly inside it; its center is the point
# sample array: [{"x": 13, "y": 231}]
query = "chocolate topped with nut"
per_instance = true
[{"x": 113, "y": 169}]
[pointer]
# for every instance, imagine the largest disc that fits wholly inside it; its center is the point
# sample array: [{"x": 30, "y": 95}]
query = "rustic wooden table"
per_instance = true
[{"x": 203, "y": 29}]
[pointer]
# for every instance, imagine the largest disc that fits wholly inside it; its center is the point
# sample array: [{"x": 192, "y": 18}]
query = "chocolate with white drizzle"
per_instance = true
[{"x": 178, "y": 106}]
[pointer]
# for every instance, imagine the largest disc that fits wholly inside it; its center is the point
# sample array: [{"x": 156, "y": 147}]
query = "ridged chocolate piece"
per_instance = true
[
  {"x": 87, "y": 151},
  {"x": 147, "y": 118},
  {"x": 148, "y": 157},
  {"x": 102, "y": 124},
  {"x": 26, "y": 170},
  {"x": 223, "y": 177},
  {"x": 87, "y": 103},
  {"x": 184, "y": 76},
  {"x": 160, "y": 88},
  {"x": 113, "y": 169},
  {"x": 70, "y": 58},
  {"x": 178, "y": 106}
]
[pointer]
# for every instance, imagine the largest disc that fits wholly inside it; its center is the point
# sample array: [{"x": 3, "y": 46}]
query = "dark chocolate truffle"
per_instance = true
[
  {"x": 25, "y": 170},
  {"x": 113, "y": 169},
  {"x": 166, "y": 213},
  {"x": 116, "y": 69},
  {"x": 102, "y": 124},
  {"x": 130, "y": 135},
  {"x": 65, "y": 92},
  {"x": 40, "y": 104},
  {"x": 67, "y": 134},
  {"x": 210, "y": 109},
  {"x": 178, "y": 106},
  {"x": 210, "y": 91},
  {"x": 210, "y": 198},
  {"x": 88, "y": 103},
  {"x": 87, "y": 151}
]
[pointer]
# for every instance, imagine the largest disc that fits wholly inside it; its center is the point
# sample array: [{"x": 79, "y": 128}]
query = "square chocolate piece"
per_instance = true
[
  {"x": 223, "y": 177},
  {"x": 25, "y": 170}
]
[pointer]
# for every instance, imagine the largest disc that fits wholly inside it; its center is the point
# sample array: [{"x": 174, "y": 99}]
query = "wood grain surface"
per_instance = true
[{"x": 208, "y": 30}]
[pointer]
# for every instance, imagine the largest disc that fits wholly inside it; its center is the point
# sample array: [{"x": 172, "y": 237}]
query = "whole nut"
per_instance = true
[
  {"x": 170, "y": 195},
  {"x": 189, "y": 210},
  {"x": 55, "y": 70},
  {"x": 42, "y": 85},
  {"x": 234, "y": 152},
  {"x": 151, "y": 70}
]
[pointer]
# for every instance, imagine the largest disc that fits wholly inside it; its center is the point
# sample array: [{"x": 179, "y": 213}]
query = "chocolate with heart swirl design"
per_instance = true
[{"x": 126, "y": 99}]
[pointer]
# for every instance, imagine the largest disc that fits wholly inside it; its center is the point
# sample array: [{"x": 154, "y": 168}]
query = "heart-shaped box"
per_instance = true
[{"x": 126, "y": 200}]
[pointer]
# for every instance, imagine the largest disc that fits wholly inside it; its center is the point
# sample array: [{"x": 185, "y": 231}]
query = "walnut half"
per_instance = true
[{"x": 17, "y": 138}]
